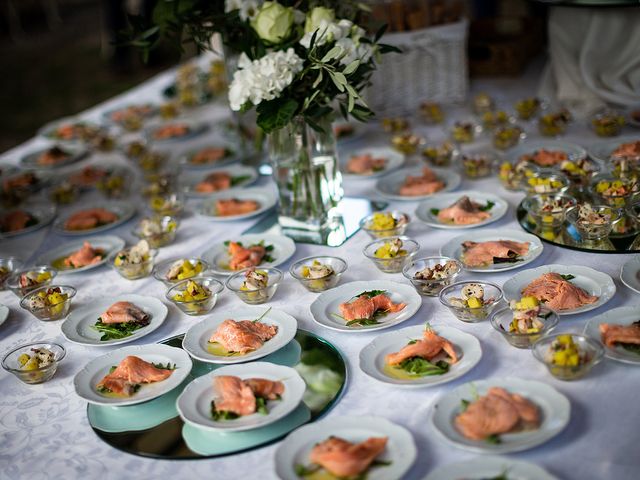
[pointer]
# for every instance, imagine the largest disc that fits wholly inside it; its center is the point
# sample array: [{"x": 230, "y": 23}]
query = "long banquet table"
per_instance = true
[{"x": 44, "y": 432}]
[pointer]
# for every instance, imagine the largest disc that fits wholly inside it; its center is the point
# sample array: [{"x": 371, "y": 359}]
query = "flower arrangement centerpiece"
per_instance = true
[{"x": 300, "y": 61}]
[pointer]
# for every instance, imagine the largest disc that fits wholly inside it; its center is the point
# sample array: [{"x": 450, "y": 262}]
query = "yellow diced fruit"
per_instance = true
[
  {"x": 565, "y": 339},
  {"x": 527, "y": 303},
  {"x": 43, "y": 277},
  {"x": 56, "y": 298},
  {"x": 23, "y": 359},
  {"x": 32, "y": 364},
  {"x": 474, "y": 302},
  {"x": 573, "y": 360},
  {"x": 305, "y": 272},
  {"x": 560, "y": 358}
]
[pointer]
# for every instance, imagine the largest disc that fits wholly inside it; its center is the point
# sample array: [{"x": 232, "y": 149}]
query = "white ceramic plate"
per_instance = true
[
  {"x": 196, "y": 340},
  {"x": 76, "y": 153},
  {"x": 602, "y": 150},
  {"x": 194, "y": 403},
  {"x": 108, "y": 243},
  {"x": 185, "y": 157},
  {"x": 630, "y": 273},
  {"x": 555, "y": 411},
  {"x": 573, "y": 151},
  {"x": 218, "y": 258},
  {"x": 86, "y": 379},
  {"x": 593, "y": 282},
  {"x": 389, "y": 185},
  {"x": 78, "y": 327},
  {"x": 125, "y": 210},
  {"x": 453, "y": 248},
  {"x": 372, "y": 357},
  {"x": 442, "y": 201},
  {"x": 240, "y": 174},
  {"x": 195, "y": 128},
  {"x": 616, "y": 316},
  {"x": 400, "y": 450},
  {"x": 44, "y": 213},
  {"x": 490, "y": 467},
  {"x": 327, "y": 304},
  {"x": 107, "y": 116},
  {"x": 394, "y": 160},
  {"x": 47, "y": 130},
  {"x": 265, "y": 197},
  {"x": 4, "y": 313}
]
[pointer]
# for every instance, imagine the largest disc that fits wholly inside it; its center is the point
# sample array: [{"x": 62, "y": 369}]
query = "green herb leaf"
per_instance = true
[
  {"x": 567, "y": 277},
  {"x": 464, "y": 404},
  {"x": 261, "y": 406},
  {"x": 239, "y": 179},
  {"x": 305, "y": 471},
  {"x": 631, "y": 347},
  {"x": 371, "y": 293},
  {"x": 167, "y": 366},
  {"x": 222, "y": 415},
  {"x": 116, "y": 331},
  {"x": 494, "y": 439},
  {"x": 275, "y": 114},
  {"x": 487, "y": 207},
  {"x": 421, "y": 367},
  {"x": 434, "y": 211}
]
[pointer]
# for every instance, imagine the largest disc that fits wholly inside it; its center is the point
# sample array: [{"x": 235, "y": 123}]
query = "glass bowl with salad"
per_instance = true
[
  {"x": 607, "y": 123},
  {"x": 548, "y": 211},
  {"x": 8, "y": 266},
  {"x": 430, "y": 275},
  {"x": 613, "y": 191},
  {"x": 385, "y": 224},
  {"x": 318, "y": 273},
  {"x": 471, "y": 301},
  {"x": 157, "y": 230},
  {"x": 477, "y": 164},
  {"x": 49, "y": 303},
  {"x": 391, "y": 254},
  {"x": 568, "y": 356},
  {"x": 255, "y": 286},
  {"x": 440, "y": 154},
  {"x": 593, "y": 222},
  {"x": 171, "y": 204},
  {"x": 524, "y": 322},
  {"x": 134, "y": 262},
  {"x": 546, "y": 182},
  {"x": 196, "y": 295},
  {"x": 514, "y": 174},
  {"x": 176, "y": 270},
  {"x": 27, "y": 280},
  {"x": 34, "y": 363}
]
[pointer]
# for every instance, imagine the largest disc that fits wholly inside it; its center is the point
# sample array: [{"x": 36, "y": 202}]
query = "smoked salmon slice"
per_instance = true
[
  {"x": 426, "y": 184},
  {"x": 345, "y": 459},
  {"x": 364, "y": 307},
  {"x": 546, "y": 158},
  {"x": 125, "y": 312},
  {"x": 233, "y": 395},
  {"x": 264, "y": 388},
  {"x": 233, "y": 206},
  {"x": 620, "y": 334},
  {"x": 171, "y": 131},
  {"x": 91, "y": 218},
  {"x": 130, "y": 373},
  {"x": 15, "y": 221},
  {"x": 214, "y": 182},
  {"x": 463, "y": 212},
  {"x": 477, "y": 254},
  {"x": 87, "y": 255},
  {"x": 365, "y": 164},
  {"x": 209, "y": 155},
  {"x": 242, "y": 258},
  {"x": 558, "y": 293},
  {"x": 52, "y": 156},
  {"x": 243, "y": 336},
  {"x": 429, "y": 347}
]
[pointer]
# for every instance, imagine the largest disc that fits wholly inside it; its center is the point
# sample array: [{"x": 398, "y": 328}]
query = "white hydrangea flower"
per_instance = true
[
  {"x": 264, "y": 78},
  {"x": 248, "y": 8},
  {"x": 354, "y": 50}
]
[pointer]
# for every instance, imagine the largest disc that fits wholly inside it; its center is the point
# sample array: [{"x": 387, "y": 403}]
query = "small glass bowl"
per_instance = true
[
  {"x": 549, "y": 219},
  {"x": 255, "y": 297},
  {"x": 440, "y": 154},
  {"x": 527, "y": 108},
  {"x": 619, "y": 200},
  {"x": 402, "y": 221},
  {"x": 477, "y": 164},
  {"x": 171, "y": 204},
  {"x": 508, "y": 136},
  {"x": 607, "y": 123},
  {"x": 161, "y": 270},
  {"x": 471, "y": 315},
  {"x": 464, "y": 131},
  {"x": 39, "y": 375},
  {"x": 588, "y": 346},
  {"x": 513, "y": 175},
  {"x": 13, "y": 282},
  {"x": 197, "y": 307},
  {"x": 592, "y": 231},
  {"x": 554, "y": 124},
  {"x": 501, "y": 320},
  {"x": 169, "y": 227},
  {"x": 407, "y": 143},
  {"x": 8, "y": 266},
  {"x": 496, "y": 118},
  {"x": 429, "y": 288},
  {"x": 134, "y": 271},
  {"x": 54, "y": 312},
  {"x": 546, "y": 182},
  {"x": 579, "y": 172},
  {"x": 396, "y": 264},
  {"x": 318, "y": 285}
]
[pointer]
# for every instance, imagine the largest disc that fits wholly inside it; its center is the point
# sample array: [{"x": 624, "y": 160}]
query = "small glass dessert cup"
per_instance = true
[
  {"x": 308, "y": 272},
  {"x": 443, "y": 272},
  {"x": 32, "y": 374},
  {"x": 547, "y": 213},
  {"x": 236, "y": 283},
  {"x": 546, "y": 182},
  {"x": 502, "y": 321},
  {"x": 477, "y": 164},
  {"x": 568, "y": 363},
  {"x": 514, "y": 174},
  {"x": 453, "y": 295},
  {"x": 41, "y": 276},
  {"x": 385, "y": 224},
  {"x": 594, "y": 224},
  {"x": 383, "y": 255},
  {"x": 440, "y": 154},
  {"x": 45, "y": 310},
  {"x": 157, "y": 230},
  {"x": 195, "y": 306}
]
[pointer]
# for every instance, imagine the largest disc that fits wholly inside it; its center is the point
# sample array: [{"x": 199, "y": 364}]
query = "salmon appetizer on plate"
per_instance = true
[
  {"x": 426, "y": 184},
  {"x": 344, "y": 459},
  {"x": 496, "y": 413},
  {"x": 214, "y": 182},
  {"x": 368, "y": 307},
  {"x": 228, "y": 207},
  {"x": 546, "y": 158},
  {"x": 625, "y": 336},
  {"x": 130, "y": 374},
  {"x": 173, "y": 130},
  {"x": 88, "y": 176},
  {"x": 209, "y": 155},
  {"x": 86, "y": 255},
  {"x": 482, "y": 254},
  {"x": 241, "y": 257},
  {"x": 365, "y": 164},
  {"x": 237, "y": 398},
  {"x": 121, "y": 320},
  {"x": 557, "y": 292},
  {"x": 52, "y": 157},
  {"x": 90, "y": 219},
  {"x": 241, "y": 337},
  {"x": 627, "y": 151},
  {"x": 464, "y": 212},
  {"x": 16, "y": 220}
]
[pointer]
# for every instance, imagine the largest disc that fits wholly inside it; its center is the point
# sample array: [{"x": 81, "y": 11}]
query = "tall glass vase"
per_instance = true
[{"x": 306, "y": 172}]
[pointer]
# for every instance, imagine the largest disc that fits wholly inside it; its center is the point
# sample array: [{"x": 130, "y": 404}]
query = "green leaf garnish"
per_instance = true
[
  {"x": 239, "y": 179},
  {"x": 116, "y": 331},
  {"x": 494, "y": 439},
  {"x": 434, "y": 212},
  {"x": 567, "y": 277},
  {"x": 421, "y": 367},
  {"x": 487, "y": 207},
  {"x": 370, "y": 293}
]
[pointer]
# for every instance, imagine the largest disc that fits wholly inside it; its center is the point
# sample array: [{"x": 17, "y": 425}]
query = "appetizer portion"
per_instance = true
[
  {"x": 251, "y": 256},
  {"x": 564, "y": 352},
  {"x": 240, "y": 337},
  {"x": 482, "y": 254},
  {"x": 50, "y": 299},
  {"x": 125, "y": 379},
  {"x": 625, "y": 336},
  {"x": 367, "y": 308},
  {"x": 32, "y": 279},
  {"x": 196, "y": 298},
  {"x": 89, "y": 219},
  {"x": 236, "y": 397},
  {"x": 463, "y": 132},
  {"x": 473, "y": 303},
  {"x": 464, "y": 212},
  {"x": 440, "y": 155},
  {"x": 86, "y": 255},
  {"x": 172, "y": 130},
  {"x": 135, "y": 262},
  {"x": 227, "y": 207},
  {"x": 477, "y": 165},
  {"x": 16, "y": 220},
  {"x": 496, "y": 413},
  {"x": 183, "y": 269},
  {"x": 365, "y": 164},
  {"x": 88, "y": 176},
  {"x": 74, "y": 131},
  {"x": 390, "y": 249},
  {"x": 385, "y": 224},
  {"x": 426, "y": 184},
  {"x": 526, "y": 316},
  {"x": 433, "y": 277},
  {"x": 554, "y": 123},
  {"x": 557, "y": 292},
  {"x": 318, "y": 274},
  {"x": 343, "y": 459},
  {"x": 121, "y": 320},
  {"x": 209, "y": 155},
  {"x": 545, "y": 158},
  {"x": 527, "y": 108},
  {"x": 40, "y": 358},
  {"x": 626, "y": 151},
  {"x": 52, "y": 157},
  {"x": 607, "y": 123},
  {"x": 214, "y": 182}
]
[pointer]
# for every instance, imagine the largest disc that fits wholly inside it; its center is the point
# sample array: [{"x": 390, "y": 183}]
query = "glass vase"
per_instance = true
[{"x": 306, "y": 172}]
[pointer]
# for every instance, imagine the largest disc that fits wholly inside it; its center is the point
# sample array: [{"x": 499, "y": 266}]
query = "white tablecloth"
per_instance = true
[{"x": 44, "y": 432}]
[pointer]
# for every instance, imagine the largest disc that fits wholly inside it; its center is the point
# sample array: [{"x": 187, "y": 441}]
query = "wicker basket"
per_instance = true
[{"x": 433, "y": 67}]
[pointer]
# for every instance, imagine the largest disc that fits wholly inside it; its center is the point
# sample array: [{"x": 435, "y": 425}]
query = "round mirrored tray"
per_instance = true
[
  {"x": 568, "y": 237},
  {"x": 154, "y": 429}
]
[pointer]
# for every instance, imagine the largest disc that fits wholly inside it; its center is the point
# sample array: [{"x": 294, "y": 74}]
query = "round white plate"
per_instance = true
[
  {"x": 4, "y": 313},
  {"x": 86, "y": 379},
  {"x": 453, "y": 248},
  {"x": 490, "y": 467},
  {"x": 44, "y": 213},
  {"x": 30, "y": 160},
  {"x": 400, "y": 450},
  {"x": 125, "y": 210},
  {"x": 372, "y": 357},
  {"x": 195, "y": 128},
  {"x": 283, "y": 250},
  {"x": 108, "y": 243},
  {"x": 555, "y": 411},
  {"x": 265, "y": 197},
  {"x": 327, "y": 304},
  {"x": 190, "y": 179},
  {"x": 389, "y": 185},
  {"x": 573, "y": 151},
  {"x": 394, "y": 160},
  {"x": 197, "y": 337},
  {"x": 630, "y": 273},
  {"x": 442, "y": 201},
  {"x": 593, "y": 282},
  {"x": 78, "y": 326},
  {"x": 107, "y": 115},
  {"x": 47, "y": 130},
  {"x": 616, "y": 316},
  {"x": 185, "y": 157},
  {"x": 194, "y": 403},
  {"x": 601, "y": 151}
]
